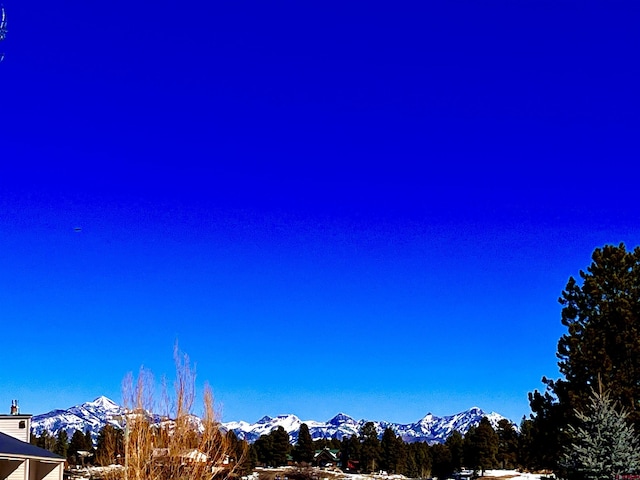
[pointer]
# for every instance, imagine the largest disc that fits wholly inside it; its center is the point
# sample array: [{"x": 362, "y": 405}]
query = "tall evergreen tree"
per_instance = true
[
  {"x": 602, "y": 317},
  {"x": 88, "y": 445},
  {"x": 78, "y": 443},
  {"x": 604, "y": 444},
  {"x": 441, "y": 458},
  {"x": 110, "y": 445},
  {"x": 350, "y": 452},
  {"x": 369, "y": 448},
  {"x": 507, "y": 455},
  {"x": 61, "y": 446},
  {"x": 238, "y": 452},
  {"x": 411, "y": 467},
  {"x": 280, "y": 445},
  {"x": 546, "y": 430},
  {"x": 525, "y": 445},
  {"x": 402, "y": 458},
  {"x": 46, "y": 441},
  {"x": 455, "y": 442},
  {"x": 391, "y": 452},
  {"x": 252, "y": 456},
  {"x": 334, "y": 443},
  {"x": 304, "y": 449},
  {"x": 424, "y": 459},
  {"x": 263, "y": 448},
  {"x": 481, "y": 446}
]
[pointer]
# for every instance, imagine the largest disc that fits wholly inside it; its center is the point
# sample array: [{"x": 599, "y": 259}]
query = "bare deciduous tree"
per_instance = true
[{"x": 178, "y": 444}]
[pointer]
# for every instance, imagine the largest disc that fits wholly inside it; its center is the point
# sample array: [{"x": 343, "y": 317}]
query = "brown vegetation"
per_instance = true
[{"x": 180, "y": 445}]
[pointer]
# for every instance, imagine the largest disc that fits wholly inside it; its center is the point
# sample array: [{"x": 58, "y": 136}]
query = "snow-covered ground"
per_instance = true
[
  {"x": 270, "y": 473},
  {"x": 514, "y": 474},
  {"x": 322, "y": 474}
]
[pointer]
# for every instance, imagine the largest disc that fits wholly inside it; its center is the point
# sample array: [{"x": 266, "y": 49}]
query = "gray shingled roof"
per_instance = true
[{"x": 12, "y": 447}]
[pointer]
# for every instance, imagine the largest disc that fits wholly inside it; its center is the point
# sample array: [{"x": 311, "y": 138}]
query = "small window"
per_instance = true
[{"x": 22, "y": 424}]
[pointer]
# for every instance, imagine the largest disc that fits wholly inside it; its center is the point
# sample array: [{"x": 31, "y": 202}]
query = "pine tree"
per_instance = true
[
  {"x": 547, "y": 430},
  {"x": 481, "y": 446},
  {"x": 77, "y": 443},
  {"x": 411, "y": 467},
  {"x": 238, "y": 453},
  {"x": 602, "y": 317},
  {"x": 280, "y": 445},
  {"x": 61, "y": 446},
  {"x": 46, "y": 441},
  {"x": 304, "y": 449},
  {"x": 424, "y": 459},
  {"x": 263, "y": 448},
  {"x": 390, "y": 451},
  {"x": 604, "y": 444},
  {"x": 441, "y": 456},
  {"x": 88, "y": 446},
  {"x": 526, "y": 458},
  {"x": 350, "y": 452},
  {"x": 455, "y": 442},
  {"x": 252, "y": 458},
  {"x": 110, "y": 445},
  {"x": 334, "y": 443},
  {"x": 507, "y": 445},
  {"x": 369, "y": 448}
]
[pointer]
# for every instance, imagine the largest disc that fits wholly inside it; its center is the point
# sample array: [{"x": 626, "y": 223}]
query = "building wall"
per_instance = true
[
  {"x": 18, "y": 426},
  {"x": 45, "y": 471},
  {"x": 13, "y": 469}
]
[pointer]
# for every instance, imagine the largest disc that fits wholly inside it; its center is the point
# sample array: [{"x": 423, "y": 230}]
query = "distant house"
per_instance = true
[
  {"x": 326, "y": 457},
  {"x": 19, "y": 460}
]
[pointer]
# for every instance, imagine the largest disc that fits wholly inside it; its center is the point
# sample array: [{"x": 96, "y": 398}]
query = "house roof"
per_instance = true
[
  {"x": 14, "y": 448},
  {"x": 333, "y": 454}
]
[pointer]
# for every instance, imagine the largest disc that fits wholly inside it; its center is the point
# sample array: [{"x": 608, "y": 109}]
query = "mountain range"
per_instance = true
[{"x": 102, "y": 411}]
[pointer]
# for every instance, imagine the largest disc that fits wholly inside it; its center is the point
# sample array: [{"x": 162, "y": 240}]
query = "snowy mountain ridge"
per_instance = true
[
  {"x": 102, "y": 411},
  {"x": 430, "y": 428},
  {"x": 91, "y": 416}
]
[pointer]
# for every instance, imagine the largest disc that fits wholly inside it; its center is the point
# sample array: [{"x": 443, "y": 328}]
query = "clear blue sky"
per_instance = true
[{"x": 337, "y": 206}]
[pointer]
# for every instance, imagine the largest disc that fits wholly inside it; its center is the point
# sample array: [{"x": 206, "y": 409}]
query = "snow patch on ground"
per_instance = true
[{"x": 514, "y": 474}]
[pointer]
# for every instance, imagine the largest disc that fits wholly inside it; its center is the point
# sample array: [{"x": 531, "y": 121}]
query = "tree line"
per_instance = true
[
  {"x": 481, "y": 448},
  {"x": 64, "y": 446}
]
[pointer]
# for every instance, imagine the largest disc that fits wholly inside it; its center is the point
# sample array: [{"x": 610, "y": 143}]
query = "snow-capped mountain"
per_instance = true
[
  {"x": 102, "y": 411},
  {"x": 429, "y": 429},
  {"x": 91, "y": 416}
]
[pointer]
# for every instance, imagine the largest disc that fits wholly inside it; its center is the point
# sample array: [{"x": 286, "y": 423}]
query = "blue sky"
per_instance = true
[{"x": 360, "y": 207}]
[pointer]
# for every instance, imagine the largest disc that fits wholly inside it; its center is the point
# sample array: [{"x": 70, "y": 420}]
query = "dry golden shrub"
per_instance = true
[{"x": 178, "y": 445}]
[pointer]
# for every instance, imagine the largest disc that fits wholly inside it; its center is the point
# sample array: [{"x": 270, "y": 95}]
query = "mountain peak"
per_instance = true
[
  {"x": 104, "y": 402},
  {"x": 92, "y": 416},
  {"x": 341, "y": 418},
  {"x": 103, "y": 411},
  {"x": 287, "y": 416}
]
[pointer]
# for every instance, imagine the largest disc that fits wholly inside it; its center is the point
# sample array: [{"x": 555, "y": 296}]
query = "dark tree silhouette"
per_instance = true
[{"x": 602, "y": 317}]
